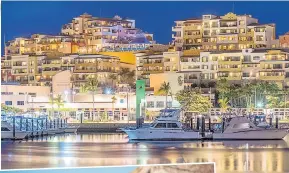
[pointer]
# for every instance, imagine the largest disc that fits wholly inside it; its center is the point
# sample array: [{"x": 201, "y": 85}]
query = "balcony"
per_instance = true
[
  {"x": 231, "y": 77},
  {"x": 153, "y": 64},
  {"x": 230, "y": 69},
  {"x": 195, "y": 80},
  {"x": 226, "y": 25},
  {"x": 274, "y": 78},
  {"x": 176, "y": 28}
]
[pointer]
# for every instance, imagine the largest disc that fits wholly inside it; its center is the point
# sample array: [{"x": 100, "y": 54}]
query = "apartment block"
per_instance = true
[
  {"x": 228, "y": 32},
  {"x": 150, "y": 62},
  {"x": 39, "y": 44},
  {"x": 237, "y": 66},
  {"x": 99, "y": 66},
  {"x": 107, "y": 34},
  {"x": 40, "y": 70},
  {"x": 23, "y": 69},
  {"x": 284, "y": 40}
]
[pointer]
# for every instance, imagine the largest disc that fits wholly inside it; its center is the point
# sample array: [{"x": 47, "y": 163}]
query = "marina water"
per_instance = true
[{"x": 104, "y": 149}]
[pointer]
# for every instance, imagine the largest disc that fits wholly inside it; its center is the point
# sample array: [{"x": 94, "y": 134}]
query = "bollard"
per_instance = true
[
  {"x": 14, "y": 127},
  {"x": 198, "y": 123},
  {"x": 203, "y": 126},
  {"x": 277, "y": 122}
]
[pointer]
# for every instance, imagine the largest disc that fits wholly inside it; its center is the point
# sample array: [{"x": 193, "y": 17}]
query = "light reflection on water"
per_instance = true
[{"x": 114, "y": 149}]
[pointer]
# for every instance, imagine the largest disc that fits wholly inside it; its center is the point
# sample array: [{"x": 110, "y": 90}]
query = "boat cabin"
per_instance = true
[
  {"x": 166, "y": 125},
  {"x": 237, "y": 124}
]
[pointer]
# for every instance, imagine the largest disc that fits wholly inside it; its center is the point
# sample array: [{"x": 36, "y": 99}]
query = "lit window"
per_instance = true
[
  {"x": 160, "y": 104},
  {"x": 150, "y": 104},
  {"x": 20, "y": 102},
  {"x": 8, "y": 102}
]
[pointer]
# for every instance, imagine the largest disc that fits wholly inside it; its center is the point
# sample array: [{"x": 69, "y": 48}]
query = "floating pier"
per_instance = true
[{"x": 33, "y": 127}]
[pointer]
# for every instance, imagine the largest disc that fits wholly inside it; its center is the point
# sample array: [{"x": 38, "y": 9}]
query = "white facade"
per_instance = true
[{"x": 38, "y": 97}]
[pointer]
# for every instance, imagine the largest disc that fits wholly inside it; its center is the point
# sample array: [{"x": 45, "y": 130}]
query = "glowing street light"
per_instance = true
[{"x": 260, "y": 104}]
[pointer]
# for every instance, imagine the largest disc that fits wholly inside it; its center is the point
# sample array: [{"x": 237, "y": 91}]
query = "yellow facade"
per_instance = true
[{"x": 125, "y": 57}]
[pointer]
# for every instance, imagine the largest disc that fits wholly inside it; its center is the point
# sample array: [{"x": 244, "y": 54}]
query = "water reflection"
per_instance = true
[{"x": 114, "y": 149}]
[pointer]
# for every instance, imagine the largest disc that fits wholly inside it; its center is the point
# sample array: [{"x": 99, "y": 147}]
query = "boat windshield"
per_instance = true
[
  {"x": 242, "y": 126},
  {"x": 152, "y": 124}
]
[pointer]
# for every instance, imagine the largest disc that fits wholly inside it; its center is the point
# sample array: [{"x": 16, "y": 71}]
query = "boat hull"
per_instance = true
[
  {"x": 175, "y": 135},
  {"x": 56, "y": 131},
  {"x": 273, "y": 134},
  {"x": 70, "y": 130},
  {"x": 9, "y": 135}
]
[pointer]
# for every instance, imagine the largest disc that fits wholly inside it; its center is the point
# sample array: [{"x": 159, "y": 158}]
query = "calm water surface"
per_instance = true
[{"x": 73, "y": 150}]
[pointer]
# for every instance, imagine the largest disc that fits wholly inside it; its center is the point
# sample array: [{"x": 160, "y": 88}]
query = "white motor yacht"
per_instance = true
[
  {"x": 241, "y": 128},
  {"x": 166, "y": 127},
  {"x": 7, "y": 132}
]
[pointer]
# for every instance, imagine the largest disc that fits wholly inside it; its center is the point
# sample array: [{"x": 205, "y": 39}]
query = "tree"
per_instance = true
[
  {"x": 58, "y": 101},
  {"x": 224, "y": 105},
  {"x": 113, "y": 100},
  {"x": 91, "y": 86},
  {"x": 165, "y": 89},
  {"x": 126, "y": 76},
  {"x": 149, "y": 115},
  {"x": 223, "y": 87},
  {"x": 194, "y": 101},
  {"x": 10, "y": 109},
  {"x": 113, "y": 78}
]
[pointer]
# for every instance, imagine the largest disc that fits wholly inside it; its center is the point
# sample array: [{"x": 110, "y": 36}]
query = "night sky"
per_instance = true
[{"x": 26, "y": 18}]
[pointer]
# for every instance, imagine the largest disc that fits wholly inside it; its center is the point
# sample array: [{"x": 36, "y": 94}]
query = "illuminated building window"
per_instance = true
[{"x": 150, "y": 104}]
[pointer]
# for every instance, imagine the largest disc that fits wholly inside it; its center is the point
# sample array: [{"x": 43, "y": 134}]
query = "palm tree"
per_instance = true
[
  {"x": 91, "y": 86},
  {"x": 58, "y": 101},
  {"x": 165, "y": 89},
  {"x": 113, "y": 100},
  {"x": 222, "y": 87},
  {"x": 113, "y": 78},
  {"x": 224, "y": 105},
  {"x": 127, "y": 76}
]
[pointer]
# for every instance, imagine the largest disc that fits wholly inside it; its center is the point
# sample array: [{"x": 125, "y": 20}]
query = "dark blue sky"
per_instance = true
[{"x": 26, "y": 18}]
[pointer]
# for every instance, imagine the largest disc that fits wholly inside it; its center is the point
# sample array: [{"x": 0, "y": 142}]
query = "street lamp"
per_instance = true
[{"x": 260, "y": 104}]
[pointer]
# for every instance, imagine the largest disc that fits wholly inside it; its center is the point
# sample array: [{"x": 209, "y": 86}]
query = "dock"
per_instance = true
[{"x": 33, "y": 127}]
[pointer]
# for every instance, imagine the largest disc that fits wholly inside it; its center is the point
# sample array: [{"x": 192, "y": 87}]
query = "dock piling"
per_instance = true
[
  {"x": 210, "y": 124},
  {"x": 223, "y": 125},
  {"x": 198, "y": 123},
  {"x": 203, "y": 126},
  {"x": 270, "y": 121},
  {"x": 14, "y": 127},
  {"x": 21, "y": 121},
  {"x": 26, "y": 124},
  {"x": 277, "y": 122},
  {"x": 32, "y": 125}
]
